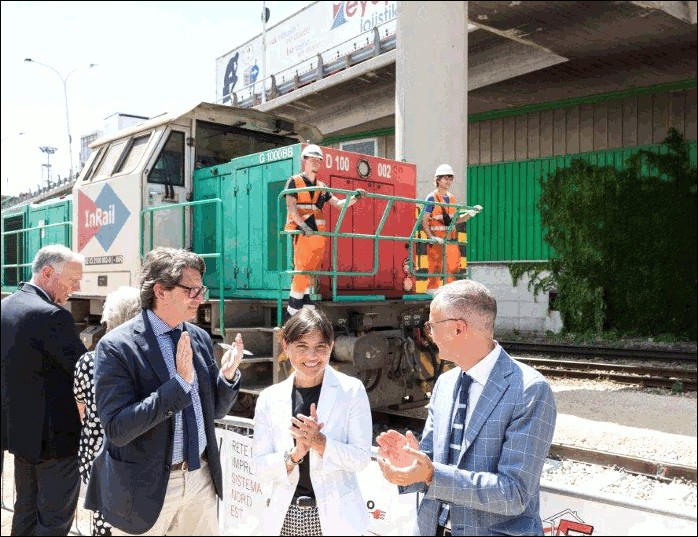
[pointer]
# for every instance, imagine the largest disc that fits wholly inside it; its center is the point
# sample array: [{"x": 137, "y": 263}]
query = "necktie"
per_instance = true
[
  {"x": 191, "y": 434},
  {"x": 457, "y": 431}
]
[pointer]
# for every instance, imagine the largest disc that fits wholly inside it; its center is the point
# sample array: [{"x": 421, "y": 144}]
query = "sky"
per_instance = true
[{"x": 152, "y": 58}]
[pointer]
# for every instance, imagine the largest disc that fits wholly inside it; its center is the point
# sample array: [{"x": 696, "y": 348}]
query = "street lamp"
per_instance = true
[
  {"x": 64, "y": 79},
  {"x": 49, "y": 151}
]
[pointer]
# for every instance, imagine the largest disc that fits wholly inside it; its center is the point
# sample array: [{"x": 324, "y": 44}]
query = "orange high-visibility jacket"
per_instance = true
[
  {"x": 306, "y": 204},
  {"x": 436, "y": 219}
]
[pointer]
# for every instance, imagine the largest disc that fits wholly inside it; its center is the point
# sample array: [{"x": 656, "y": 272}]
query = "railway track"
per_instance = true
[
  {"x": 672, "y": 378},
  {"x": 403, "y": 417},
  {"x": 609, "y": 353}
]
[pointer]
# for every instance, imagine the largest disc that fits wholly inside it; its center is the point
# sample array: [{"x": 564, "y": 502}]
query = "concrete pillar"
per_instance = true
[{"x": 431, "y": 112}]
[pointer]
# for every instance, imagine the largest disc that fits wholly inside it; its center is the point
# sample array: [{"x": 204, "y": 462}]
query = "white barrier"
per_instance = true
[{"x": 564, "y": 510}]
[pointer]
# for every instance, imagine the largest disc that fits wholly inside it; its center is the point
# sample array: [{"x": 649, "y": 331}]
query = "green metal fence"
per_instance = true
[
  {"x": 218, "y": 254},
  {"x": 412, "y": 240}
]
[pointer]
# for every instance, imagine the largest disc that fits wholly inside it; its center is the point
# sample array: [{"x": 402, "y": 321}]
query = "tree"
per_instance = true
[{"x": 624, "y": 243}]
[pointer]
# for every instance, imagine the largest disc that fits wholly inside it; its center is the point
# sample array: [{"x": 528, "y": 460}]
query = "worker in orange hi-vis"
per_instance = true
[
  {"x": 435, "y": 222},
  {"x": 304, "y": 212}
]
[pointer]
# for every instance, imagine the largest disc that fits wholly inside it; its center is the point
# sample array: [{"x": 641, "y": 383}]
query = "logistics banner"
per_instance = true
[{"x": 295, "y": 42}]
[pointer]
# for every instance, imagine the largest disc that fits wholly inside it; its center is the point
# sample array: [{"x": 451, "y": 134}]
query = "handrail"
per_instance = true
[
  {"x": 334, "y": 274},
  {"x": 17, "y": 232},
  {"x": 220, "y": 245}
]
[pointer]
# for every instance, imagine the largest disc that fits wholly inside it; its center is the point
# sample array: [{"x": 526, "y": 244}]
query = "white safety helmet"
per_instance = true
[
  {"x": 444, "y": 169},
  {"x": 312, "y": 151}
]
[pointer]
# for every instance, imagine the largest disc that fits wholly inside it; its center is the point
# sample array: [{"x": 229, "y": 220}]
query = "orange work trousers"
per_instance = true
[
  {"x": 435, "y": 254},
  {"x": 308, "y": 254}
]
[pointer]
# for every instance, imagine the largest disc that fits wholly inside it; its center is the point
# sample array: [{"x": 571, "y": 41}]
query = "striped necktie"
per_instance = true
[
  {"x": 191, "y": 433},
  {"x": 457, "y": 431}
]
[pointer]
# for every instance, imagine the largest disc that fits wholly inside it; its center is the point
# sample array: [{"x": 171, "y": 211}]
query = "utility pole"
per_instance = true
[{"x": 265, "y": 19}]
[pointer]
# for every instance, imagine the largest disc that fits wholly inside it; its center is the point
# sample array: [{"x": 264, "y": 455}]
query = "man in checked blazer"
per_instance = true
[{"x": 487, "y": 480}]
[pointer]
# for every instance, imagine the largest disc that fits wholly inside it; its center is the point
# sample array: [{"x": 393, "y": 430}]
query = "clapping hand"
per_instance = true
[
  {"x": 391, "y": 444},
  {"x": 306, "y": 429},
  {"x": 184, "y": 362},
  {"x": 400, "y": 460},
  {"x": 232, "y": 358}
]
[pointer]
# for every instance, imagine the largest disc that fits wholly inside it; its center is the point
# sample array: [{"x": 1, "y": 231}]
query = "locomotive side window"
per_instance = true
[
  {"x": 133, "y": 154},
  {"x": 93, "y": 164},
  {"x": 169, "y": 168},
  {"x": 106, "y": 167}
]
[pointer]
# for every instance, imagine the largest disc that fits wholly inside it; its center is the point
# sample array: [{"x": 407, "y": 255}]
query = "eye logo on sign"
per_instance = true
[{"x": 101, "y": 218}]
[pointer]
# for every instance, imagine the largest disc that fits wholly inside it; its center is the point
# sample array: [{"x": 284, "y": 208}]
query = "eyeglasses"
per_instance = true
[
  {"x": 446, "y": 177},
  {"x": 194, "y": 292},
  {"x": 429, "y": 325}
]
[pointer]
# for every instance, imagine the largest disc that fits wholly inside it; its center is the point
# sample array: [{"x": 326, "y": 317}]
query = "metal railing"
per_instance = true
[
  {"x": 220, "y": 245},
  {"x": 364, "y": 46},
  {"x": 18, "y": 266},
  {"x": 61, "y": 186},
  {"x": 412, "y": 240}
]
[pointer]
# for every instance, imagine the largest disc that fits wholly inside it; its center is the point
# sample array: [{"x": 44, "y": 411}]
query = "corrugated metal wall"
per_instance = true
[
  {"x": 509, "y": 228},
  {"x": 505, "y": 161},
  {"x": 623, "y": 122}
]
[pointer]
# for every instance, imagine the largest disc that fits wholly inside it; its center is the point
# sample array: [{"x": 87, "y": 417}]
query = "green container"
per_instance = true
[
  {"x": 249, "y": 187},
  {"x": 50, "y": 213},
  {"x": 13, "y": 248},
  {"x": 37, "y": 225}
]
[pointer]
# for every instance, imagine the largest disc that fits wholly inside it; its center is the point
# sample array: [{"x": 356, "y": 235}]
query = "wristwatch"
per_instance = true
[{"x": 288, "y": 460}]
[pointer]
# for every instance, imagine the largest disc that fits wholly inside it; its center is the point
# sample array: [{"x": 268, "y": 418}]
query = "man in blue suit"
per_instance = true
[
  {"x": 40, "y": 346},
  {"x": 158, "y": 392},
  {"x": 490, "y": 424}
]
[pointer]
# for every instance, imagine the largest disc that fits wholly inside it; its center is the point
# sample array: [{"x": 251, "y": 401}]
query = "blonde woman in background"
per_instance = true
[{"x": 119, "y": 306}]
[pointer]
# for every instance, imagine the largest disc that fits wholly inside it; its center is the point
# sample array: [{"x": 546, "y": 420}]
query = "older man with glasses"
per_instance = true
[
  {"x": 490, "y": 424},
  {"x": 158, "y": 392}
]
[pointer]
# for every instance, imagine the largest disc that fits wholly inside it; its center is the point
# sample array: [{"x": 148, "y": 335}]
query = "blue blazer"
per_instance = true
[
  {"x": 136, "y": 402},
  {"x": 495, "y": 487}
]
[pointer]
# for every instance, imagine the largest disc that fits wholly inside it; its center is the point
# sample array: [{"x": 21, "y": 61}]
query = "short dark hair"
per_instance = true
[
  {"x": 165, "y": 266},
  {"x": 306, "y": 321}
]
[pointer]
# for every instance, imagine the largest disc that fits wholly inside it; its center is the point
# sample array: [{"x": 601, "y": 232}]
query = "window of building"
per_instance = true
[{"x": 366, "y": 146}]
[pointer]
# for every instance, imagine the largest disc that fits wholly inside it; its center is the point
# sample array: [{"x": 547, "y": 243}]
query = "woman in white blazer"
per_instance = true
[{"x": 312, "y": 435}]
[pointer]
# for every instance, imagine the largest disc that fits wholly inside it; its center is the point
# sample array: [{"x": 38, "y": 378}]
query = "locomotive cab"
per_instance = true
[{"x": 149, "y": 167}]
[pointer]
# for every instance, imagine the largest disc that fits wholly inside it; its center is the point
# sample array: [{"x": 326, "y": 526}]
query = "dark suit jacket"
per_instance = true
[
  {"x": 136, "y": 402},
  {"x": 40, "y": 346}
]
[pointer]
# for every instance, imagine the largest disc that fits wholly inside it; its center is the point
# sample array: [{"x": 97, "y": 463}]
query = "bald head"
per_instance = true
[{"x": 468, "y": 300}]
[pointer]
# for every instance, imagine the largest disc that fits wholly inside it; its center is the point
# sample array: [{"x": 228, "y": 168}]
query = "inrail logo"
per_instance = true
[{"x": 101, "y": 218}]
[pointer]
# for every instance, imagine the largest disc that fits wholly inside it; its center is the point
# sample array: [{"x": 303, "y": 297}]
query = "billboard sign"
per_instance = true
[{"x": 293, "y": 44}]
